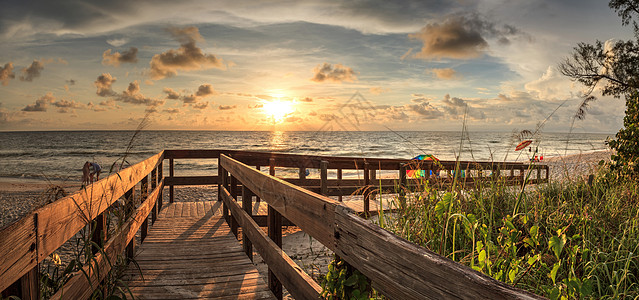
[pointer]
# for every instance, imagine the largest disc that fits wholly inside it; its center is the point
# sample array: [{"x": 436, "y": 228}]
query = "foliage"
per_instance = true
[
  {"x": 616, "y": 65},
  {"x": 344, "y": 282},
  {"x": 566, "y": 240},
  {"x": 626, "y": 144}
]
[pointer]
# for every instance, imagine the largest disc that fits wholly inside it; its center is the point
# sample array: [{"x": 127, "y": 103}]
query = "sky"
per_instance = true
[{"x": 299, "y": 65}]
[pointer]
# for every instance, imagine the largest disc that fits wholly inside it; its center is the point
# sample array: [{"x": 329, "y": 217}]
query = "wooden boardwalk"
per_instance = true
[{"x": 190, "y": 253}]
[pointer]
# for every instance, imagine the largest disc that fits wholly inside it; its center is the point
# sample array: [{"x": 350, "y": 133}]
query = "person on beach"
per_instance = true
[{"x": 88, "y": 170}]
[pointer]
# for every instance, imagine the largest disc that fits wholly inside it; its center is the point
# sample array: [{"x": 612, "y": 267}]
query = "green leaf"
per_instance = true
[
  {"x": 534, "y": 234},
  {"x": 553, "y": 272},
  {"x": 512, "y": 274},
  {"x": 482, "y": 257},
  {"x": 586, "y": 287},
  {"x": 554, "y": 294},
  {"x": 352, "y": 280},
  {"x": 557, "y": 244},
  {"x": 533, "y": 259}
]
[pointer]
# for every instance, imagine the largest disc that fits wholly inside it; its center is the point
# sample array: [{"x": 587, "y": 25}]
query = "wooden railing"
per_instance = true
[
  {"x": 27, "y": 242},
  {"x": 369, "y": 172},
  {"x": 374, "y": 251},
  {"x": 397, "y": 268}
]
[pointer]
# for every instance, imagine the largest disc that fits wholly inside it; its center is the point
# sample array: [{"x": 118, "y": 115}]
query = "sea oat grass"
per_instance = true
[{"x": 568, "y": 238}]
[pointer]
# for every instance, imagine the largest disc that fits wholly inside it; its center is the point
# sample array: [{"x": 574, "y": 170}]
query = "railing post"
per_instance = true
[
  {"x": 302, "y": 173},
  {"x": 247, "y": 205},
  {"x": 257, "y": 198},
  {"x": 171, "y": 176},
  {"x": 224, "y": 178},
  {"x": 402, "y": 184},
  {"x": 339, "y": 184},
  {"x": 130, "y": 205},
  {"x": 233, "y": 192},
  {"x": 274, "y": 221},
  {"x": 99, "y": 232},
  {"x": 160, "y": 177},
  {"x": 29, "y": 283},
  {"x": 154, "y": 184},
  {"x": 144, "y": 191},
  {"x": 367, "y": 187},
  {"x": 324, "y": 178}
]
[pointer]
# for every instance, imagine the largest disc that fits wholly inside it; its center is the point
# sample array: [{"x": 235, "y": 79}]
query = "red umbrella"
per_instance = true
[{"x": 523, "y": 145}]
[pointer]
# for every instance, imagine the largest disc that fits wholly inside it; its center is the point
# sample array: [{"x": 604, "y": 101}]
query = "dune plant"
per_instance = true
[{"x": 568, "y": 239}]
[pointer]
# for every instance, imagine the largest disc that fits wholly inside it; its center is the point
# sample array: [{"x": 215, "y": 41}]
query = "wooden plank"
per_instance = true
[
  {"x": 200, "y": 209},
  {"x": 403, "y": 270},
  {"x": 60, "y": 220},
  {"x": 313, "y": 213},
  {"x": 78, "y": 287},
  {"x": 203, "y": 261},
  {"x": 18, "y": 250},
  {"x": 296, "y": 281},
  {"x": 193, "y": 209}
]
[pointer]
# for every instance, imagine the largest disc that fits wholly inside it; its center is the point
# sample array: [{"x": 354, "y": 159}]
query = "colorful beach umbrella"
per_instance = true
[
  {"x": 426, "y": 157},
  {"x": 523, "y": 145}
]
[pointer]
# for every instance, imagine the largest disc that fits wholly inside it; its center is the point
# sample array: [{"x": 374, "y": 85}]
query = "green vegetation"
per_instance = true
[
  {"x": 563, "y": 239},
  {"x": 344, "y": 282},
  {"x": 613, "y": 67}
]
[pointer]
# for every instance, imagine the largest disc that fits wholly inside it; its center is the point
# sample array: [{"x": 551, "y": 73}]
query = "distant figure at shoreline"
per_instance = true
[{"x": 88, "y": 170}]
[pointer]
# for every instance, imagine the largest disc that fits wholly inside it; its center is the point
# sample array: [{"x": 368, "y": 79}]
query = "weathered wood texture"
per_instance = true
[
  {"x": 311, "y": 212},
  {"x": 296, "y": 281},
  {"x": 18, "y": 254},
  {"x": 30, "y": 240},
  {"x": 79, "y": 287},
  {"x": 399, "y": 269},
  {"x": 60, "y": 220},
  {"x": 193, "y": 257}
]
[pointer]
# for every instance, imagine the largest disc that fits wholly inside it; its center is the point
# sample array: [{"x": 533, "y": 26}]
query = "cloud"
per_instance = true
[
  {"x": 457, "y": 107},
  {"x": 115, "y": 59},
  {"x": 445, "y": 74},
  {"x": 306, "y": 99},
  {"x": 552, "y": 85},
  {"x": 377, "y": 90},
  {"x": 201, "y": 105},
  {"x": 450, "y": 39},
  {"x": 227, "y": 107},
  {"x": 40, "y": 104},
  {"x": 132, "y": 95},
  {"x": 187, "y": 58},
  {"x": 425, "y": 110},
  {"x": 117, "y": 42},
  {"x": 32, "y": 71},
  {"x": 338, "y": 73},
  {"x": 104, "y": 85},
  {"x": 172, "y": 110},
  {"x": 70, "y": 82},
  {"x": 205, "y": 90},
  {"x": 6, "y": 73},
  {"x": 171, "y": 94}
]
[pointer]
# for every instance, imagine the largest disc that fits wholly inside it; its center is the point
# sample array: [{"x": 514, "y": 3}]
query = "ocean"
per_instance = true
[{"x": 59, "y": 155}]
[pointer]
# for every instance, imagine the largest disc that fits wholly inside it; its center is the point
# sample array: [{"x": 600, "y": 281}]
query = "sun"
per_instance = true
[{"x": 277, "y": 110}]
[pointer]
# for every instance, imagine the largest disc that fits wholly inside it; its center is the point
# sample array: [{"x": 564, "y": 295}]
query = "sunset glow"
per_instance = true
[
  {"x": 277, "y": 110},
  {"x": 189, "y": 65}
]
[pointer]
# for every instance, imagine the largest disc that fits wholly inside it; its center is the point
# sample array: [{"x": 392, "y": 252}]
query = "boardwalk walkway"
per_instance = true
[{"x": 190, "y": 253}]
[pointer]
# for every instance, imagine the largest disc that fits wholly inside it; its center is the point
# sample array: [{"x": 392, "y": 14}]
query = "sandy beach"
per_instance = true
[{"x": 18, "y": 198}]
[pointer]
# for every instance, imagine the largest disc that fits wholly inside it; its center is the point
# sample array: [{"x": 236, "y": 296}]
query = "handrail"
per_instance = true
[
  {"x": 30, "y": 240},
  {"x": 397, "y": 268}
]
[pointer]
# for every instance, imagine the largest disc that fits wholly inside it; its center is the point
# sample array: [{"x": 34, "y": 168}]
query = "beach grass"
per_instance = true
[{"x": 574, "y": 238}]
